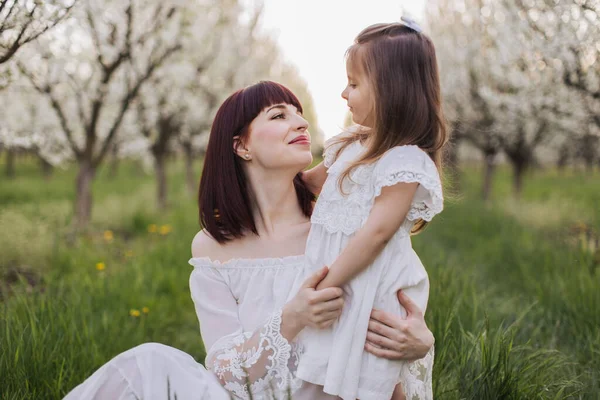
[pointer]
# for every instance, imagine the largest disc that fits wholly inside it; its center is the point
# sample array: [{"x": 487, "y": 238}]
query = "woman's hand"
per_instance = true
[
  {"x": 311, "y": 307},
  {"x": 392, "y": 337}
]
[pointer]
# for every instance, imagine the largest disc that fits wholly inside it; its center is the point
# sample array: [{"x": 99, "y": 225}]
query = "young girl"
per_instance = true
[{"x": 380, "y": 184}]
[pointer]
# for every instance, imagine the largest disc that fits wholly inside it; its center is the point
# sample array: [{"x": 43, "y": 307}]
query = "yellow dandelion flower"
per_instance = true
[
  {"x": 152, "y": 228},
  {"x": 165, "y": 229},
  {"x": 134, "y": 313},
  {"x": 145, "y": 310},
  {"x": 100, "y": 266},
  {"x": 129, "y": 253},
  {"x": 579, "y": 227},
  {"x": 108, "y": 236}
]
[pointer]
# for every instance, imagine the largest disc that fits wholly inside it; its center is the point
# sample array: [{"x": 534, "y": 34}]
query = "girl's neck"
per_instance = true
[{"x": 274, "y": 202}]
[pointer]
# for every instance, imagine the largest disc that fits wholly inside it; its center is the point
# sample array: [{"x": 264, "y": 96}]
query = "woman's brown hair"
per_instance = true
[
  {"x": 223, "y": 198},
  {"x": 401, "y": 67}
]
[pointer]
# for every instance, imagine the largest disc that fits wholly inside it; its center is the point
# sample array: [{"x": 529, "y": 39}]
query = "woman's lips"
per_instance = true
[{"x": 300, "y": 140}]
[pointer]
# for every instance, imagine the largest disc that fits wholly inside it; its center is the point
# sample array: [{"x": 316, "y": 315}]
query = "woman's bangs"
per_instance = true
[{"x": 265, "y": 94}]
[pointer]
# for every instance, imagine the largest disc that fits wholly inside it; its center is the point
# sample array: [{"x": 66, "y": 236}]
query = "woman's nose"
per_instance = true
[{"x": 302, "y": 124}]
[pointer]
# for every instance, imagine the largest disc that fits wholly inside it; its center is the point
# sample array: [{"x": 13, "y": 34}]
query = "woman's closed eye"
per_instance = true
[{"x": 278, "y": 116}]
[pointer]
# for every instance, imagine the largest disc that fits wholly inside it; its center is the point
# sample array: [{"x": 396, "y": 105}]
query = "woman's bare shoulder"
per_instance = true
[{"x": 204, "y": 245}]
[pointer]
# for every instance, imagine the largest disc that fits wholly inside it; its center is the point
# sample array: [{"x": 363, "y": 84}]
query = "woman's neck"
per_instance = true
[{"x": 274, "y": 202}]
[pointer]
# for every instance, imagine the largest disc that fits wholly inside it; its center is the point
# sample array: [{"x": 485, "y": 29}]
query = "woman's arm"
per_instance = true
[
  {"x": 260, "y": 358},
  {"x": 315, "y": 177},
  {"x": 386, "y": 217},
  {"x": 236, "y": 356}
]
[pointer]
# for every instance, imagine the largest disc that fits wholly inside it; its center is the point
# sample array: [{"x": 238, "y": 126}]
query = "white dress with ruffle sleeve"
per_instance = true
[{"x": 335, "y": 358}]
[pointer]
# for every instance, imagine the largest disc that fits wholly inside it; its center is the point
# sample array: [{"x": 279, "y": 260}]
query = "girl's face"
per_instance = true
[
  {"x": 358, "y": 95},
  {"x": 278, "y": 138}
]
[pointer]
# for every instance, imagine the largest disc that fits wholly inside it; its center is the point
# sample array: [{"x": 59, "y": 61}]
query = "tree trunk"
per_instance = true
[
  {"x": 452, "y": 164},
  {"x": 47, "y": 169},
  {"x": 488, "y": 175},
  {"x": 563, "y": 160},
  {"x": 161, "y": 180},
  {"x": 588, "y": 151},
  {"x": 10, "y": 163},
  {"x": 589, "y": 158},
  {"x": 113, "y": 169},
  {"x": 519, "y": 168},
  {"x": 589, "y": 166},
  {"x": 190, "y": 179},
  {"x": 83, "y": 194}
]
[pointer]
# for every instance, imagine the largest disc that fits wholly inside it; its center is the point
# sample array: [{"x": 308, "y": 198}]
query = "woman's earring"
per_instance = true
[{"x": 247, "y": 156}]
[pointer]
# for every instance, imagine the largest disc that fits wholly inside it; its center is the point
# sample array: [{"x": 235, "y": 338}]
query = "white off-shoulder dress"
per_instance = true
[
  {"x": 239, "y": 306},
  {"x": 335, "y": 357}
]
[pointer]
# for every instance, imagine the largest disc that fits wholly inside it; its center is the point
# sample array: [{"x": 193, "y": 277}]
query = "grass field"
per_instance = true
[{"x": 514, "y": 304}]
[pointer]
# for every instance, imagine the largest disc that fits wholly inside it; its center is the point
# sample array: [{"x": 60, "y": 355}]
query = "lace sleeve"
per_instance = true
[
  {"x": 416, "y": 378},
  {"x": 260, "y": 361},
  {"x": 256, "y": 364},
  {"x": 410, "y": 164}
]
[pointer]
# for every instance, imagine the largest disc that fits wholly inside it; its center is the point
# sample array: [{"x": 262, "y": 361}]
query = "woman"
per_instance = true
[{"x": 256, "y": 213}]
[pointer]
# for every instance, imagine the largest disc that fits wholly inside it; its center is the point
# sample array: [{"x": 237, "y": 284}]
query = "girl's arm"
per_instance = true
[
  {"x": 315, "y": 177},
  {"x": 386, "y": 217}
]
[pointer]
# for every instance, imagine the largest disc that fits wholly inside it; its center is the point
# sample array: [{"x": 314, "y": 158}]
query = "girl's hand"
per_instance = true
[
  {"x": 394, "y": 338},
  {"x": 314, "y": 178},
  {"x": 311, "y": 307}
]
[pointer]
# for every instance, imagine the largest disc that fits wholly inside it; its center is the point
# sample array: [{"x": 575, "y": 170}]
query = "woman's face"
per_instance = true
[{"x": 278, "y": 138}]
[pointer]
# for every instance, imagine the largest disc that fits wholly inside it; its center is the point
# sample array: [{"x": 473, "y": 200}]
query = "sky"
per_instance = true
[{"x": 314, "y": 35}]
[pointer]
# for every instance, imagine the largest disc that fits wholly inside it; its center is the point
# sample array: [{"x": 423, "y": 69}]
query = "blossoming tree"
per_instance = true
[
  {"x": 93, "y": 69},
  {"x": 506, "y": 79}
]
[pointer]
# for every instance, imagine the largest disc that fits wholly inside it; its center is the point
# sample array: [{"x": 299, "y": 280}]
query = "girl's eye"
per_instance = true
[
  {"x": 276, "y": 116},
  {"x": 352, "y": 85}
]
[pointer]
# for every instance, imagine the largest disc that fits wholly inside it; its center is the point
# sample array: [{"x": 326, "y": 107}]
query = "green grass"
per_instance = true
[{"x": 514, "y": 304}]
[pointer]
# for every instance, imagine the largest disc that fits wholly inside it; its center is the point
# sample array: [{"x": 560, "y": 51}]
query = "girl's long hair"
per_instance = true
[{"x": 401, "y": 67}]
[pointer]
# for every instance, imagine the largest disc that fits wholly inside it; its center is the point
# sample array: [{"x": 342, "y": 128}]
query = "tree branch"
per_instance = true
[
  {"x": 129, "y": 97},
  {"x": 159, "y": 23},
  {"x": 21, "y": 38},
  {"x": 95, "y": 36},
  {"x": 78, "y": 90},
  {"x": 47, "y": 91}
]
